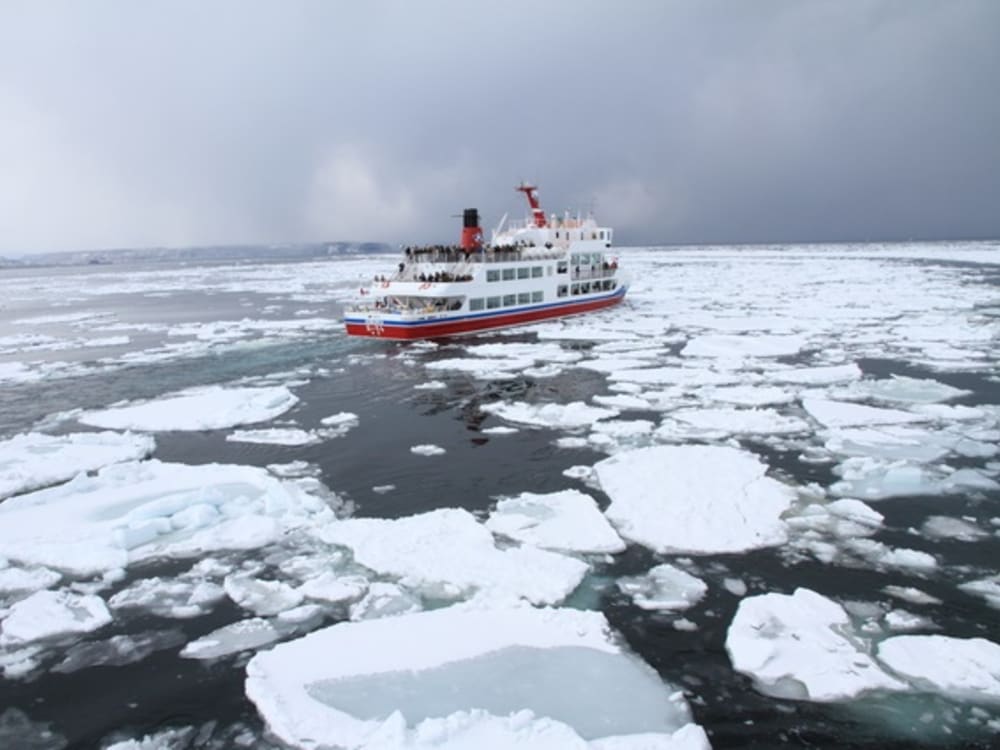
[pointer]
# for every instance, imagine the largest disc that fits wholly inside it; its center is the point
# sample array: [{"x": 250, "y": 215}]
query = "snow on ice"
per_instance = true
[
  {"x": 131, "y": 512},
  {"x": 208, "y": 408},
  {"x": 568, "y": 520},
  {"x": 691, "y": 498},
  {"x": 492, "y": 678},
  {"x": 34, "y": 460},
  {"x": 447, "y": 554},
  {"x": 665, "y": 587}
]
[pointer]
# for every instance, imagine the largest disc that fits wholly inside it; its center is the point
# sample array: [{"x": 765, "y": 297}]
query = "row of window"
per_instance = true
[
  {"x": 587, "y": 287},
  {"x": 593, "y": 235},
  {"x": 509, "y": 274},
  {"x": 507, "y": 300}
]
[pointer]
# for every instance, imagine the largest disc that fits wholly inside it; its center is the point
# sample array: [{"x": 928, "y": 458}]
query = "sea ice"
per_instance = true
[
  {"x": 703, "y": 499},
  {"x": 845, "y": 414},
  {"x": 800, "y": 646},
  {"x": 568, "y": 520},
  {"x": 910, "y": 594},
  {"x": 988, "y": 588},
  {"x": 34, "y": 460},
  {"x": 738, "y": 347},
  {"x": 727, "y": 421},
  {"x": 130, "y": 512},
  {"x": 179, "y": 598},
  {"x": 427, "y": 449},
  {"x": 17, "y": 580},
  {"x": 962, "y": 668},
  {"x": 118, "y": 650},
  {"x": 47, "y": 614},
  {"x": 825, "y": 375},
  {"x": 447, "y": 554},
  {"x": 208, "y": 408},
  {"x": 244, "y": 635},
  {"x": 259, "y": 596},
  {"x": 900, "y": 389},
  {"x": 575, "y": 414},
  {"x": 946, "y": 527},
  {"x": 665, "y": 587},
  {"x": 274, "y": 436},
  {"x": 384, "y": 599},
  {"x": 352, "y": 684}
]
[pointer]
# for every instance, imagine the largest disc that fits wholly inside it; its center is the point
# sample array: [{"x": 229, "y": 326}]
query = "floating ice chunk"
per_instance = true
[
  {"x": 901, "y": 389},
  {"x": 132, "y": 512},
  {"x": 612, "y": 364},
  {"x": 274, "y": 436},
  {"x": 717, "y": 345},
  {"x": 844, "y": 414},
  {"x": 826, "y": 375},
  {"x": 261, "y": 597},
  {"x": 988, "y": 588},
  {"x": 738, "y": 421},
  {"x": 293, "y": 469},
  {"x": 209, "y": 408},
  {"x": 568, "y": 520},
  {"x": 876, "y": 479},
  {"x": 336, "y": 686},
  {"x": 575, "y": 414},
  {"x": 20, "y": 580},
  {"x": 900, "y": 620},
  {"x": 334, "y": 589},
  {"x": 891, "y": 557},
  {"x": 800, "y": 647},
  {"x": 889, "y": 442},
  {"x": 910, "y": 594},
  {"x": 431, "y": 385},
  {"x": 623, "y": 401},
  {"x": 962, "y": 668},
  {"x": 34, "y": 460},
  {"x": 178, "y": 598},
  {"x": 618, "y": 433},
  {"x": 688, "y": 376},
  {"x": 427, "y": 449},
  {"x": 46, "y": 614},
  {"x": 382, "y": 489},
  {"x": 447, "y": 554},
  {"x": 338, "y": 424},
  {"x": 750, "y": 395},
  {"x": 946, "y": 527},
  {"x": 735, "y": 586},
  {"x": 500, "y": 430},
  {"x": 244, "y": 635},
  {"x": 665, "y": 587},
  {"x": 383, "y": 599},
  {"x": 694, "y": 498}
]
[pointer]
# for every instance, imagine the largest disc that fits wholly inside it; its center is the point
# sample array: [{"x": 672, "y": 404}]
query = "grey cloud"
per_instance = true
[{"x": 181, "y": 122}]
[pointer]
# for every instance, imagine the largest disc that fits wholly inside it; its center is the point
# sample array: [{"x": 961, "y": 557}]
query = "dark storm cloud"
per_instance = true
[{"x": 182, "y": 123}]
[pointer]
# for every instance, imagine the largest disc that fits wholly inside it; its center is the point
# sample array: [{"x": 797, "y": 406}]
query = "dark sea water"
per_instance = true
[{"x": 204, "y": 700}]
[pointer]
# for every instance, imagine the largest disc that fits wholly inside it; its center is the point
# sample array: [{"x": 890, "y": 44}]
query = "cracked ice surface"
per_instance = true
[{"x": 555, "y": 674}]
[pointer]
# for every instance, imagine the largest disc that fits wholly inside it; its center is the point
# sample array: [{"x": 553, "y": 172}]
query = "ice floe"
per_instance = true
[
  {"x": 447, "y": 554},
  {"x": 703, "y": 499},
  {"x": 962, "y": 668},
  {"x": 275, "y": 436},
  {"x": 665, "y": 587},
  {"x": 181, "y": 598},
  {"x": 568, "y": 520},
  {"x": 720, "y": 422},
  {"x": 47, "y": 614},
  {"x": 988, "y": 588},
  {"x": 845, "y": 414},
  {"x": 427, "y": 449},
  {"x": 131, "y": 512},
  {"x": 490, "y": 678},
  {"x": 727, "y": 346},
  {"x": 207, "y": 408},
  {"x": 34, "y": 460},
  {"x": 571, "y": 415},
  {"x": 800, "y": 646}
]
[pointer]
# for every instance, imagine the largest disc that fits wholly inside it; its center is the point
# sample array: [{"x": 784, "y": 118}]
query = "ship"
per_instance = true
[{"x": 535, "y": 269}]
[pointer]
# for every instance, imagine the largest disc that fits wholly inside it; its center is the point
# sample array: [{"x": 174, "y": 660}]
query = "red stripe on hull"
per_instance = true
[{"x": 472, "y": 325}]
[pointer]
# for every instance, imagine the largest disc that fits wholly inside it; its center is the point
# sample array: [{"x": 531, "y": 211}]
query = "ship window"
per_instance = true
[
  {"x": 562, "y": 267},
  {"x": 602, "y": 234},
  {"x": 523, "y": 298},
  {"x": 574, "y": 259},
  {"x": 476, "y": 304},
  {"x": 493, "y": 274},
  {"x": 523, "y": 273},
  {"x": 508, "y": 274},
  {"x": 509, "y": 299},
  {"x": 557, "y": 234},
  {"x": 492, "y": 302},
  {"x": 561, "y": 291},
  {"x": 585, "y": 288},
  {"x": 576, "y": 289},
  {"x": 548, "y": 270},
  {"x": 536, "y": 296},
  {"x": 614, "y": 284},
  {"x": 536, "y": 272}
]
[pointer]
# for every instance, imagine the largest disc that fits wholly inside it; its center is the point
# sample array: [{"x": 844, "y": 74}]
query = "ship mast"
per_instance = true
[{"x": 536, "y": 210}]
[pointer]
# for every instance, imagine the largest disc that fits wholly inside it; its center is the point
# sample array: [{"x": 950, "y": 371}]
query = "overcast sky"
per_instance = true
[{"x": 127, "y": 124}]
